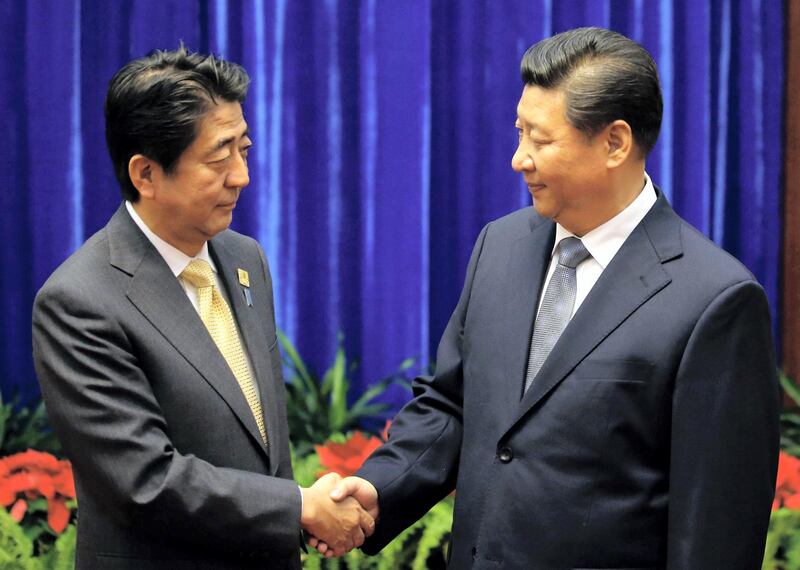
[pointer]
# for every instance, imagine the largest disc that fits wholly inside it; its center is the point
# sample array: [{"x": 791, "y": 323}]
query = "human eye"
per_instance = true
[{"x": 220, "y": 159}]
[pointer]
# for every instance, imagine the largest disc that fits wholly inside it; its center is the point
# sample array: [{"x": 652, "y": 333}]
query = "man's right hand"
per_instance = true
[
  {"x": 348, "y": 489},
  {"x": 341, "y": 525}
]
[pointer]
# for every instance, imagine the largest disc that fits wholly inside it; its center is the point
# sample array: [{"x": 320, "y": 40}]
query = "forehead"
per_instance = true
[
  {"x": 221, "y": 121},
  {"x": 542, "y": 107}
]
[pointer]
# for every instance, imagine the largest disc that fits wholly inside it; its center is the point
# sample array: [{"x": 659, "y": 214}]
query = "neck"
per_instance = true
[
  {"x": 623, "y": 188},
  {"x": 153, "y": 221}
]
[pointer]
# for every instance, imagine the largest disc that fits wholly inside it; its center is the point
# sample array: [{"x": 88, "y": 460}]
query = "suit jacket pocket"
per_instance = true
[
  {"x": 615, "y": 568},
  {"x": 613, "y": 370},
  {"x": 109, "y": 561}
]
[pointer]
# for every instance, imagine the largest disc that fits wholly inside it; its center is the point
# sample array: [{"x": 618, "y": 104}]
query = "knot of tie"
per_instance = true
[
  {"x": 199, "y": 274},
  {"x": 571, "y": 252}
]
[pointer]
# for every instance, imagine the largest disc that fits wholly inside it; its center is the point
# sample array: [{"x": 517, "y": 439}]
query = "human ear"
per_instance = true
[
  {"x": 620, "y": 143},
  {"x": 140, "y": 171}
]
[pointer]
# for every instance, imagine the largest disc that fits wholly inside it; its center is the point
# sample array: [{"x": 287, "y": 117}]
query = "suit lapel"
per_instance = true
[
  {"x": 158, "y": 295},
  {"x": 634, "y": 275},
  {"x": 252, "y": 334},
  {"x": 527, "y": 267}
]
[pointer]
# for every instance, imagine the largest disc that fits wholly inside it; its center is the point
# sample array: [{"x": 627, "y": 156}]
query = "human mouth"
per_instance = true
[{"x": 535, "y": 187}]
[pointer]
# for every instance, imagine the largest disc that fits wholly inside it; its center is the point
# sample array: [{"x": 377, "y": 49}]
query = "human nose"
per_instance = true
[
  {"x": 521, "y": 161},
  {"x": 238, "y": 176}
]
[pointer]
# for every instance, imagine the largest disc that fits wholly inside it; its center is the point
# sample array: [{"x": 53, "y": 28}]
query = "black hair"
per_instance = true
[
  {"x": 604, "y": 77},
  {"x": 155, "y": 104}
]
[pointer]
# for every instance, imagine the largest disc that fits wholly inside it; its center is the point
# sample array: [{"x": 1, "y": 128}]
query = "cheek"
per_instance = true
[
  {"x": 554, "y": 162},
  {"x": 210, "y": 188}
]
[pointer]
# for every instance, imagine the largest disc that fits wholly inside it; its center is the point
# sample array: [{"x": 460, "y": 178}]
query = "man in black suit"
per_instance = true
[
  {"x": 605, "y": 393},
  {"x": 156, "y": 350}
]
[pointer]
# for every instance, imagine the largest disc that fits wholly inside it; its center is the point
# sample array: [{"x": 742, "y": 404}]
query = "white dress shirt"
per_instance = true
[{"x": 603, "y": 243}]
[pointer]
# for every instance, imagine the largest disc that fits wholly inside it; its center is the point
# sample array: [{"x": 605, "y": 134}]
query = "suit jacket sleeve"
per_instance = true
[
  {"x": 419, "y": 464},
  {"x": 724, "y": 436},
  {"x": 104, "y": 411}
]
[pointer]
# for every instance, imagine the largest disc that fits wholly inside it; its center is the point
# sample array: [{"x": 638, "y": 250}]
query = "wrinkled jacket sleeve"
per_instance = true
[{"x": 419, "y": 464}]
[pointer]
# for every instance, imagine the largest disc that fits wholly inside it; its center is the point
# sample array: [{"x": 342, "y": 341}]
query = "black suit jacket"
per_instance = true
[
  {"x": 170, "y": 468},
  {"x": 648, "y": 439}
]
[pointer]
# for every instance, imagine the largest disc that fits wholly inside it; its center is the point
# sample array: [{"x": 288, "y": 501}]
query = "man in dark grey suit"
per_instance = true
[
  {"x": 605, "y": 394},
  {"x": 165, "y": 388}
]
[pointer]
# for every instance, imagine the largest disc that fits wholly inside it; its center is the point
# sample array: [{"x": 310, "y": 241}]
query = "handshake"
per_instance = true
[{"x": 339, "y": 514}]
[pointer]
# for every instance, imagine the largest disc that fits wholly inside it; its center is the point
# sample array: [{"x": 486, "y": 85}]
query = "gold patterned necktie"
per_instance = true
[{"x": 217, "y": 317}]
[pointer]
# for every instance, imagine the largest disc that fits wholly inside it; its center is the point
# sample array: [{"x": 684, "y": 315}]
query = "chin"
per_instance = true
[
  {"x": 543, "y": 209},
  {"x": 220, "y": 225}
]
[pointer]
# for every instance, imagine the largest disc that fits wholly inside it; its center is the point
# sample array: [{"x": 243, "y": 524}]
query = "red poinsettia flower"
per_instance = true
[
  {"x": 346, "y": 458},
  {"x": 18, "y": 510},
  {"x": 58, "y": 514},
  {"x": 385, "y": 430},
  {"x": 32, "y": 474},
  {"x": 787, "y": 491}
]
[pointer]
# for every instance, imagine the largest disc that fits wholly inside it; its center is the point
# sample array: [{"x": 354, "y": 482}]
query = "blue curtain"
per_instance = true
[{"x": 383, "y": 138}]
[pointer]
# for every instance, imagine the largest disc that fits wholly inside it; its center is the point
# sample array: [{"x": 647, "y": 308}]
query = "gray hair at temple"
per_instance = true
[{"x": 604, "y": 77}]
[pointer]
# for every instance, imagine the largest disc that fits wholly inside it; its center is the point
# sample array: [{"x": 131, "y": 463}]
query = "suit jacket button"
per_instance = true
[{"x": 505, "y": 454}]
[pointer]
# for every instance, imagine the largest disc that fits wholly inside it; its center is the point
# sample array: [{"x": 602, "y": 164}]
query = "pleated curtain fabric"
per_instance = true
[{"x": 383, "y": 137}]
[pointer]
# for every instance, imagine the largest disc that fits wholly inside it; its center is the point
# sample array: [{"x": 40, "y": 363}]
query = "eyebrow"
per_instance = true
[
  {"x": 518, "y": 123},
  {"x": 222, "y": 143}
]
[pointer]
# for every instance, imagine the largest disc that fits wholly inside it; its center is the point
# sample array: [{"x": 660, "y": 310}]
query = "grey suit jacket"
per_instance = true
[
  {"x": 648, "y": 439},
  {"x": 170, "y": 469}
]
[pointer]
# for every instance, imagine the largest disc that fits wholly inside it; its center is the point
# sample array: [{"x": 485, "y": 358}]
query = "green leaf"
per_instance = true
[
  {"x": 306, "y": 469},
  {"x": 312, "y": 560},
  {"x": 5, "y": 413},
  {"x": 318, "y": 407},
  {"x": 21, "y": 429},
  {"x": 356, "y": 413},
  {"x": 337, "y": 412},
  {"x": 62, "y": 555},
  {"x": 37, "y": 505},
  {"x": 356, "y": 560},
  {"x": 371, "y": 393},
  {"x": 782, "y": 551},
  {"x": 435, "y": 531},
  {"x": 792, "y": 389},
  {"x": 294, "y": 357},
  {"x": 15, "y": 547},
  {"x": 37, "y": 531},
  {"x": 407, "y": 363},
  {"x": 338, "y": 437}
]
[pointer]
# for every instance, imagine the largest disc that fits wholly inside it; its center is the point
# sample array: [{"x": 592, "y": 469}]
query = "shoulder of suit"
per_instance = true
[
  {"x": 245, "y": 247},
  {"x": 233, "y": 239},
  {"x": 523, "y": 216},
  {"x": 89, "y": 258},
  {"x": 516, "y": 224},
  {"x": 709, "y": 259}
]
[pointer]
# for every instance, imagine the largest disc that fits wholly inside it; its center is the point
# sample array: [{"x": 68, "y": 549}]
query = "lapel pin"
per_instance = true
[{"x": 244, "y": 281}]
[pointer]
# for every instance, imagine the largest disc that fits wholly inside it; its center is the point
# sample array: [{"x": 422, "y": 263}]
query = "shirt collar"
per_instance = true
[
  {"x": 175, "y": 258},
  {"x": 605, "y": 240}
]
